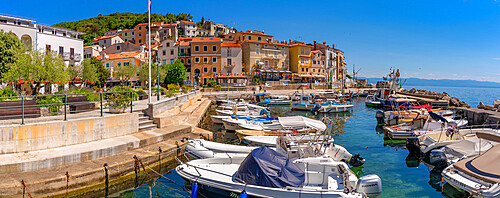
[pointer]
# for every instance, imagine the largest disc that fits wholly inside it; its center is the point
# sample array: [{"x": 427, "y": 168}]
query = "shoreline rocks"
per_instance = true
[{"x": 453, "y": 101}]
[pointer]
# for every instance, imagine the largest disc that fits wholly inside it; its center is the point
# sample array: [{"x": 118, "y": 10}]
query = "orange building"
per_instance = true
[{"x": 205, "y": 58}]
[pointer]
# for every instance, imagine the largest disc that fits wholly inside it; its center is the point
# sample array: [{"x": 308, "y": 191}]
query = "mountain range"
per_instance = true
[{"x": 441, "y": 82}]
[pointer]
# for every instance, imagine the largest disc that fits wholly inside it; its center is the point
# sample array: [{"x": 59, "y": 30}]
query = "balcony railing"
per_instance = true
[
  {"x": 230, "y": 65},
  {"x": 184, "y": 54},
  {"x": 71, "y": 57}
]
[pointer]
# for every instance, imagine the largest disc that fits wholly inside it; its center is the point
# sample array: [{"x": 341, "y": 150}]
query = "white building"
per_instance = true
[
  {"x": 45, "y": 38},
  {"x": 188, "y": 28},
  {"x": 231, "y": 56}
]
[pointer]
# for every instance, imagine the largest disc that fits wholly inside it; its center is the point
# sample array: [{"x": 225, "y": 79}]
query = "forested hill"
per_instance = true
[{"x": 96, "y": 26}]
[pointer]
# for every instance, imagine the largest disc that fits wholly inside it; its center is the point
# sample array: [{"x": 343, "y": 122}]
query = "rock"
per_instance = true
[
  {"x": 488, "y": 107},
  {"x": 480, "y": 105},
  {"x": 454, "y": 102},
  {"x": 496, "y": 103},
  {"x": 446, "y": 98}
]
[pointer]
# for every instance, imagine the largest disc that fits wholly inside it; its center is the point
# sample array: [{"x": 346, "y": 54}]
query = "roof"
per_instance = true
[
  {"x": 264, "y": 42},
  {"x": 206, "y": 40},
  {"x": 105, "y": 37},
  {"x": 90, "y": 46},
  {"x": 188, "y": 22},
  {"x": 255, "y": 32},
  {"x": 120, "y": 55},
  {"x": 184, "y": 43},
  {"x": 226, "y": 44}
]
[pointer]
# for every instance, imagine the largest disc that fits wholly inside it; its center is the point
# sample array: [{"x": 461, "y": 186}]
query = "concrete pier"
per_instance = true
[{"x": 477, "y": 116}]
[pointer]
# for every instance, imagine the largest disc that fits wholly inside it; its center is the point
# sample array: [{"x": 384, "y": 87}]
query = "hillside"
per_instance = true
[
  {"x": 443, "y": 82},
  {"x": 96, "y": 26}
]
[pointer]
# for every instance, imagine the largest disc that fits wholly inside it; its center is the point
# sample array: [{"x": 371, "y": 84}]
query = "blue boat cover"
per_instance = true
[
  {"x": 268, "y": 168},
  {"x": 260, "y": 94},
  {"x": 437, "y": 117}
]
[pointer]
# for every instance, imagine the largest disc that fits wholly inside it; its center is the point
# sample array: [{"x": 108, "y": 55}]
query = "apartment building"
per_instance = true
[
  {"x": 300, "y": 60},
  {"x": 252, "y": 35},
  {"x": 112, "y": 32},
  {"x": 184, "y": 48},
  {"x": 128, "y": 35},
  {"x": 330, "y": 62},
  {"x": 202, "y": 32},
  {"x": 159, "y": 32},
  {"x": 317, "y": 70},
  {"x": 113, "y": 61},
  {"x": 187, "y": 28},
  {"x": 123, "y": 47},
  {"x": 45, "y": 38},
  {"x": 341, "y": 69},
  {"x": 91, "y": 51},
  {"x": 205, "y": 58},
  {"x": 106, "y": 41},
  {"x": 168, "y": 51},
  {"x": 231, "y": 58},
  {"x": 217, "y": 29}
]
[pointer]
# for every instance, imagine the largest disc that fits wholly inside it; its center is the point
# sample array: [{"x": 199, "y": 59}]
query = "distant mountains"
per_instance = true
[{"x": 441, "y": 82}]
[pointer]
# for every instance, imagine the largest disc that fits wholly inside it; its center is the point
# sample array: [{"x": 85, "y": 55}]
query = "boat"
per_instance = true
[
  {"x": 263, "y": 99},
  {"x": 234, "y": 122},
  {"x": 290, "y": 123},
  {"x": 271, "y": 140},
  {"x": 372, "y": 102},
  {"x": 479, "y": 176},
  {"x": 268, "y": 173},
  {"x": 201, "y": 149}
]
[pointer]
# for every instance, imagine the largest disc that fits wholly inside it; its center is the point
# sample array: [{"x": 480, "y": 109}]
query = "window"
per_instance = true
[
  {"x": 214, "y": 59},
  {"x": 140, "y": 27},
  {"x": 107, "y": 65},
  {"x": 205, "y": 59},
  {"x": 61, "y": 50},
  {"x": 257, "y": 51},
  {"x": 168, "y": 44},
  {"x": 259, "y": 38},
  {"x": 302, "y": 50},
  {"x": 307, "y": 69},
  {"x": 104, "y": 41},
  {"x": 249, "y": 37},
  {"x": 164, "y": 52},
  {"x": 314, "y": 62},
  {"x": 307, "y": 60},
  {"x": 205, "y": 48},
  {"x": 314, "y": 70},
  {"x": 182, "y": 61},
  {"x": 171, "y": 61},
  {"x": 214, "y": 69},
  {"x": 164, "y": 62},
  {"x": 133, "y": 33},
  {"x": 197, "y": 59},
  {"x": 182, "y": 50},
  {"x": 229, "y": 61},
  {"x": 302, "y": 69},
  {"x": 126, "y": 63},
  {"x": 140, "y": 41},
  {"x": 119, "y": 64},
  {"x": 214, "y": 48},
  {"x": 196, "y": 48},
  {"x": 205, "y": 70},
  {"x": 125, "y": 35},
  {"x": 189, "y": 61},
  {"x": 302, "y": 60},
  {"x": 307, "y": 51},
  {"x": 171, "y": 52},
  {"x": 117, "y": 47}
]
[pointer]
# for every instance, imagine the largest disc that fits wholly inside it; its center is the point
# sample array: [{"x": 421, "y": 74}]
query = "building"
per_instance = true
[
  {"x": 128, "y": 35},
  {"x": 252, "y": 35},
  {"x": 231, "y": 58},
  {"x": 184, "y": 48},
  {"x": 341, "y": 69},
  {"x": 216, "y": 29},
  {"x": 205, "y": 58},
  {"x": 45, "y": 38},
  {"x": 112, "y": 32},
  {"x": 106, "y": 41},
  {"x": 123, "y": 47},
  {"x": 168, "y": 51},
  {"x": 330, "y": 63},
  {"x": 270, "y": 58},
  {"x": 300, "y": 60},
  {"x": 159, "y": 32},
  {"x": 202, "y": 32},
  {"x": 317, "y": 70},
  {"x": 187, "y": 28},
  {"x": 91, "y": 51},
  {"x": 113, "y": 61},
  {"x": 168, "y": 30}
]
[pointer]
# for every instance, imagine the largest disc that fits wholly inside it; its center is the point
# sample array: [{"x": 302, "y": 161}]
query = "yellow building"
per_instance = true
[
  {"x": 126, "y": 59},
  {"x": 318, "y": 69},
  {"x": 250, "y": 35},
  {"x": 300, "y": 60},
  {"x": 205, "y": 58}
]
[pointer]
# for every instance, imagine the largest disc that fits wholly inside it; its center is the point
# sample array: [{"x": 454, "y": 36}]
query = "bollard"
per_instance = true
[
  {"x": 65, "y": 105},
  {"x": 106, "y": 181},
  {"x": 22, "y": 104},
  {"x": 177, "y": 144},
  {"x": 67, "y": 182},
  {"x": 131, "y": 101},
  {"x": 101, "y": 103},
  {"x": 159, "y": 159}
]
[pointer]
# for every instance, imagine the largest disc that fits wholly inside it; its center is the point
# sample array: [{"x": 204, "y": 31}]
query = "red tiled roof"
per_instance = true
[
  {"x": 105, "y": 37},
  {"x": 188, "y": 22},
  {"x": 89, "y": 46},
  {"x": 254, "y": 33},
  {"x": 184, "y": 43},
  {"x": 206, "y": 40},
  {"x": 264, "y": 42},
  {"x": 227, "y": 44},
  {"x": 120, "y": 55}
]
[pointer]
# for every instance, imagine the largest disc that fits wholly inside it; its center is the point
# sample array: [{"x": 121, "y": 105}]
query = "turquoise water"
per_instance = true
[
  {"x": 357, "y": 132},
  {"x": 470, "y": 95}
]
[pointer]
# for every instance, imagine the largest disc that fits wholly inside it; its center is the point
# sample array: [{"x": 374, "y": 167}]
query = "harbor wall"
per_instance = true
[
  {"x": 46, "y": 135},
  {"x": 156, "y": 108},
  {"x": 477, "y": 116}
]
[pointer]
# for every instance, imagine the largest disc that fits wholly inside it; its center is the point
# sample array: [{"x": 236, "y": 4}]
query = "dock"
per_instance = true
[{"x": 424, "y": 99}]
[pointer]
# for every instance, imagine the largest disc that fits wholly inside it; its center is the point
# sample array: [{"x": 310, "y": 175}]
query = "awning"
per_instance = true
[{"x": 305, "y": 76}]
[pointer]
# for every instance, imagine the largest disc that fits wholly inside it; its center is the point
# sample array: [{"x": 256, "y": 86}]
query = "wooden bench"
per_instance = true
[
  {"x": 79, "y": 104},
  {"x": 13, "y": 109}
]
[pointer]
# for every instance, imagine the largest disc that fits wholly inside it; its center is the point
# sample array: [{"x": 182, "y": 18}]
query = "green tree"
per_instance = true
[
  {"x": 37, "y": 69},
  {"x": 144, "y": 73},
  {"x": 9, "y": 45},
  {"x": 176, "y": 73},
  {"x": 125, "y": 73},
  {"x": 102, "y": 73},
  {"x": 85, "y": 71}
]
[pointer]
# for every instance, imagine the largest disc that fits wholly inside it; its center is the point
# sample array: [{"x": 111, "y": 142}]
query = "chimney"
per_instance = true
[
  {"x": 290, "y": 41},
  {"x": 333, "y": 46},
  {"x": 262, "y": 31},
  {"x": 324, "y": 43},
  {"x": 314, "y": 42}
]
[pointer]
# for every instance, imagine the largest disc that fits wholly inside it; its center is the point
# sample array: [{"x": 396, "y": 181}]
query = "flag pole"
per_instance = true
[{"x": 149, "y": 53}]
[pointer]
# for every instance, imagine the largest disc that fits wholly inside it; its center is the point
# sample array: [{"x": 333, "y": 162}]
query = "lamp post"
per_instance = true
[{"x": 149, "y": 53}]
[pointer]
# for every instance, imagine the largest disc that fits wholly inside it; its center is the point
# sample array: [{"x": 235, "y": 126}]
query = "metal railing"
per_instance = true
[{"x": 42, "y": 108}]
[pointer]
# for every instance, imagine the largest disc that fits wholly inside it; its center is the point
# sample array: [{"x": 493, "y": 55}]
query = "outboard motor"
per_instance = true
[
  {"x": 437, "y": 157},
  {"x": 413, "y": 146},
  {"x": 315, "y": 109},
  {"x": 371, "y": 185},
  {"x": 356, "y": 160},
  {"x": 380, "y": 117}
]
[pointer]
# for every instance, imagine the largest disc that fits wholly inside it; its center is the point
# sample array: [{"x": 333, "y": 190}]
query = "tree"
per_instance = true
[
  {"x": 144, "y": 72},
  {"x": 85, "y": 71},
  {"x": 125, "y": 73},
  {"x": 9, "y": 45},
  {"x": 176, "y": 73},
  {"x": 37, "y": 69},
  {"x": 102, "y": 73}
]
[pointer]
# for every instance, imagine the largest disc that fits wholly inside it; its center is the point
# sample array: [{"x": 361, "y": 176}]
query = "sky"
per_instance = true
[{"x": 428, "y": 39}]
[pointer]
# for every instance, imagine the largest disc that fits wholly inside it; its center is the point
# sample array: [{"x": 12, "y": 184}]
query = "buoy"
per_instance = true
[
  {"x": 243, "y": 194},
  {"x": 194, "y": 190},
  {"x": 366, "y": 147}
]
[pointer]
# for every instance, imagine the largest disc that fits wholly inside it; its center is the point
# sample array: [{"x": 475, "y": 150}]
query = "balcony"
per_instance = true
[
  {"x": 230, "y": 65},
  {"x": 77, "y": 57},
  {"x": 184, "y": 54},
  {"x": 66, "y": 56}
]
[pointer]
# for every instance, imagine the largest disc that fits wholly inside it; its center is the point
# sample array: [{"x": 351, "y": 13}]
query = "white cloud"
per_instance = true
[{"x": 496, "y": 58}]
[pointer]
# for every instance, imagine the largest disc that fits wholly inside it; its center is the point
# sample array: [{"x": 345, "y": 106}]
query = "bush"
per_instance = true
[
  {"x": 6, "y": 92},
  {"x": 172, "y": 87},
  {"x": 211, "y": 83},
  {"x": 217, "y": 87},
  {"x": 91, "y": 96},
  {"x": 155, "y": 89},
  {"x": 169, "y": 94},
  {"x": 120, "y": 100},
  {"x": 186, "y": 89},
  {"x": 53, "y": 103}
]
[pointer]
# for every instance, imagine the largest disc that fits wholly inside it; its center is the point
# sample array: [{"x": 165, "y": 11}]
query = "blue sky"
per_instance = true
[{"x": 426, "y": 38}]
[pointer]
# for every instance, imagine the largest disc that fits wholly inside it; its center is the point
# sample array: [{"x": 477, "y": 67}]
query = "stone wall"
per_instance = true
[
  {"x": 156, "y": 108},
  {"x": 37, "y": 136}
]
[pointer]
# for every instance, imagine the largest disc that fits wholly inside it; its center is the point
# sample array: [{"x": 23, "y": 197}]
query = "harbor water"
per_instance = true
[{"x": 402, "y": 175}]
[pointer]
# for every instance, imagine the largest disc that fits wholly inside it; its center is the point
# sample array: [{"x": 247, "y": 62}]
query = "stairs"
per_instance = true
[{"x": 145, "y": 124}]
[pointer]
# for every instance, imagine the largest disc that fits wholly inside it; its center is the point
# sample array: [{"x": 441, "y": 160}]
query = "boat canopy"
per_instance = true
[
  {"x": 484, "y": 167},
  {"x": 268, "y": 168},
  {"x": 469, "y": 147},
  {"x": 301, "y": 122}
]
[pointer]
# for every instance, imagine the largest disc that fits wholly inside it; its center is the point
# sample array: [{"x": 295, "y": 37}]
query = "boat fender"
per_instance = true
[
  {"x": 194, "y": 190},
  {"x": 243, "y": 194}
]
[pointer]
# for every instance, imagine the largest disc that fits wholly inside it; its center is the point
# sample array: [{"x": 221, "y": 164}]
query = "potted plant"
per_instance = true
[{"x": 119, "y": 98}]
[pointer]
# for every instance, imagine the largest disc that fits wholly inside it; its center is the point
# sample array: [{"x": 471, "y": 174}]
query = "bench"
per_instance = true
[
  {"x": 13, "y": 109},
  {"x": 79, "y": 104},
  {"x": 142, "y": 95}
]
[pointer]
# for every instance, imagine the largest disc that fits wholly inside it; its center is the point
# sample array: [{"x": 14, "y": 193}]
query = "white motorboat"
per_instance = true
[
  {"x": 299, "y": 123},
  {"x": 271, "y": 140},
  {"x": 480, "y": 176},
  {"x": 267, "y": 173},
  {"x": 234, "y": 123},
  {"x": 417, "y": 127},
  {"x": 201, "y": 149}
]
